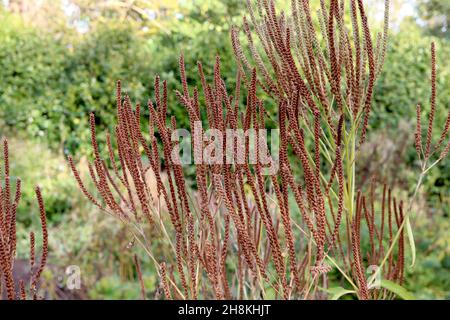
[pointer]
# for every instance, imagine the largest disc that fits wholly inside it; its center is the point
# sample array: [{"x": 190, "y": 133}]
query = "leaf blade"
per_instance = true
[
  {"x": 411, "y": 241},
  {"x": 338, "y": 292},
  {"x": 397, "y": 289}
]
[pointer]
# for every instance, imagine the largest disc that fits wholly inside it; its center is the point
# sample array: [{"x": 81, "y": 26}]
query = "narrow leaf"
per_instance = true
[
  {"x": 397, "y": 289},
  {"x": 337, "y": 292},
  {"x": 411, "y": 241}
]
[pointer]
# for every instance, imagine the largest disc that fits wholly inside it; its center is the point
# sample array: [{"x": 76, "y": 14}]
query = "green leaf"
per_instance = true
[
  {"x": 397, "y": 289},
  {"x": 270, "y": 294},
  {"x": 337, "y": 292},
  {"x": 411, "y": 241}
]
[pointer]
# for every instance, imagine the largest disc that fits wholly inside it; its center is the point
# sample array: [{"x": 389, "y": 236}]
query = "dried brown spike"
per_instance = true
[
  {"x": 81, "y": 185},
  {"x": 335, "y": 67},
  {"x": 6, "y": 190},
  {"x": 93, "y": 135},
  {"x": 32, "y": 250},
  {"x": 356, "y": 248},
  {"x": 369, "y": 49},
  {"x": 23, "y": 294},
  {"x": 139, "y": 273},
  {"x": 165, "y": 285},
  {"x": 432, "y": 101},
  {"x": 6, "y": 157},
  {"x": 444, "y": 152},
  {"x": 401, "y": 246},
  {"x": 119, "y": 95},
  {"x": 418, "y": 134},
  {"x": 183, "y": 76},
  {"x": 44, "y": 256},
  {"x": 7, "y": 271},
  {"x": 444, "y": 132}
]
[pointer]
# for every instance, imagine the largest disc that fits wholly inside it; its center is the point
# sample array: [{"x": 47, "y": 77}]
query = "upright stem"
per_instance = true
[{"x": 416, "y": 189}]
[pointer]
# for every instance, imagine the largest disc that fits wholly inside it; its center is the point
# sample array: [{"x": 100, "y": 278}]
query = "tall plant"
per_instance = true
[
  {"x": 10, "y": 287},
  {"x": 247, "y": 230}
]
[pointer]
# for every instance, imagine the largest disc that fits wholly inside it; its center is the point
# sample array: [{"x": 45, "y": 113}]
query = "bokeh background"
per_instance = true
[{"x": 60, "y": 59}]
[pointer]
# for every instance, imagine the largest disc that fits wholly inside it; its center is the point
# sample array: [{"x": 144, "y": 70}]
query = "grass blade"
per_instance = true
[{"x": 397, "y": 289}]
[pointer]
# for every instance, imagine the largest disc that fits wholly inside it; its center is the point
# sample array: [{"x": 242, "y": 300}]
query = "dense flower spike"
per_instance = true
[
  {"x": 418, "y": 134},
  {"x": 356, "y": 249},
  {"x": 427, "y": 151},
  {"x": 137, "y": 264},
  {"x": 8, "y": 209},
  {"x": 432, "y": 101},
  {"x": 44, "y": 256},
  {"x": 32, "y": 250},
  {"x": 235, "y": 232}
]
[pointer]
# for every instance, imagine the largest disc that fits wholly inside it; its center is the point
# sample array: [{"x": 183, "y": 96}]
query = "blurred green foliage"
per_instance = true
[
  {"x": 50, "y": 85},
  {"x": 436, "y": 15},
  {"x": 429, "y": 279},
  {"x": 35, "y": 164}
]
